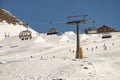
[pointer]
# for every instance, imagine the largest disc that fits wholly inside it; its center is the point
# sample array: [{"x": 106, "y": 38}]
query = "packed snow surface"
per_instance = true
[{"x": 52, "y": 57}]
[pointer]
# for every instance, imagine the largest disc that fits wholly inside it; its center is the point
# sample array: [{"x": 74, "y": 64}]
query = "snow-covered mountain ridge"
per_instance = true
[
  {"x": 11, "y": 26},
  {"x": 6, "y": 15}
]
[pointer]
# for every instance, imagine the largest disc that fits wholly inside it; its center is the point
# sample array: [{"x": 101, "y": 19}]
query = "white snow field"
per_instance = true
[{"x": 53, "y": 57}]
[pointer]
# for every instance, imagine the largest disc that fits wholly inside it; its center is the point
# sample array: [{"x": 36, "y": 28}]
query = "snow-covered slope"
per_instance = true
[
  {"x": 53, "y": 58},
  {"x": 11, "y": 26}
]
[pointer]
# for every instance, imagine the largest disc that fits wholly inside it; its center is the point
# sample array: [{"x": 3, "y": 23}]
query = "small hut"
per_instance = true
[{"x": 25, "y": 35}]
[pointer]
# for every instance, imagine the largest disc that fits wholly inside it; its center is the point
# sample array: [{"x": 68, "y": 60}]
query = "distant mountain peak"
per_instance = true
[{"x": 9, "y": 18}]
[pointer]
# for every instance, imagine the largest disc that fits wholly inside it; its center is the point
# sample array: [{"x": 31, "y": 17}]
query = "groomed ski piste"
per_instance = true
[{"x": 52, "y": 57}]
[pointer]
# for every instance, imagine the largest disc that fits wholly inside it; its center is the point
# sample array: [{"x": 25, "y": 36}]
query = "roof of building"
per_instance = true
[{"x": 105, "y": 26}]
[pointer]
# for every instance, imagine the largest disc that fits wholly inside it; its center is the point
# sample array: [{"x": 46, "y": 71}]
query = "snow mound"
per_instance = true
[
  {"x": 39, "y": 39},
  {"x": 64, "y": 38},
  {"x": 69, "y": 33},
  {"x": 84, "y": 37}
]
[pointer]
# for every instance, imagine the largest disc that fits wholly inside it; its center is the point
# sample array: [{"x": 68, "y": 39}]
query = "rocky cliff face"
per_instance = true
[{"x": 9, "y": 18}]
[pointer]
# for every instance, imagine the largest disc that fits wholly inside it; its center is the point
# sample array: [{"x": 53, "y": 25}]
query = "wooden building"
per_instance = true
[
  {"x": 25, "y": 35},
  {"x": 104, "y": 29}
]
